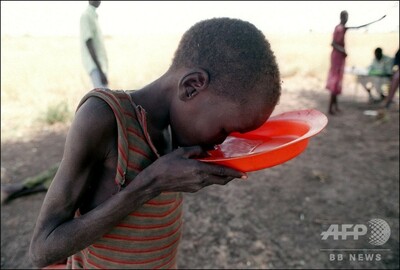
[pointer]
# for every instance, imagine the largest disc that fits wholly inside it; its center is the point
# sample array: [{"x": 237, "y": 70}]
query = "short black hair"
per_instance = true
[
  {"x": 378, "y": 53},
  {"x": 343, "y": 12},
  {"x": 378, "y": 50},
  {"x": 236, "y": 55}
]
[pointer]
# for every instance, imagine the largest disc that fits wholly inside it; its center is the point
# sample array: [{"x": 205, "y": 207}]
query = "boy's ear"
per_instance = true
[{"x": 192, "y": 83}]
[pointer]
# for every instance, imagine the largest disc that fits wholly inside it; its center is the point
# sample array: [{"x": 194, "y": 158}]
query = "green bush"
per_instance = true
[{"x": 58, "y": 113}]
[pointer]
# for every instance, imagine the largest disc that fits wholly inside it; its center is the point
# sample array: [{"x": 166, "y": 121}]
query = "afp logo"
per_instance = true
[{"x": 379, "y": 231}]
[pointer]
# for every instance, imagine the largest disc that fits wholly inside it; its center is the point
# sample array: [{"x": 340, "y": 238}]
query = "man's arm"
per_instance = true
[
  {"x": 339, "y": 47},
  {"x": 364, "y": 25},
  {"x": 92, "y": 51},
  {"x": 356, "y": 27}
]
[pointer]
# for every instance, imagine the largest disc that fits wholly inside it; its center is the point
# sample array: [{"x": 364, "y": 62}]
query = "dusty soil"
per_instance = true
[{"x": 349, "y": 174}]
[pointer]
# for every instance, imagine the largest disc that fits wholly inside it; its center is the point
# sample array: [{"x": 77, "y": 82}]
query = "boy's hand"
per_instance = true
[{"x": 178, "y": 171}]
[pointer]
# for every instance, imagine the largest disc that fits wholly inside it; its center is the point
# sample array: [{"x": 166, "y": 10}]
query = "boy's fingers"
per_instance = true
[
  {"x": 191, "y": 151},
  {"x": 220, "y": 180},
  {"x": 222, "y": 171}
]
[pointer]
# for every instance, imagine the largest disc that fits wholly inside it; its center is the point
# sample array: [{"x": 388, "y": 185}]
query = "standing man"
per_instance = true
[
  {"x": 338, "y": 56},
  {"x": 93, "y": 52},
  {"x": 338, "y": 60}
]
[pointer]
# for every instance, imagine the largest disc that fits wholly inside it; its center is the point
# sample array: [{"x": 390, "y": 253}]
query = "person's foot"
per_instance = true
[
  {"x": 7, "y": 191},
  {"x": 383, "y": 115},
  {"x": 12, "y": 191},
  {"x": 371, "y": 100},
  {"x": 335, "y": 111},
  {"x": 378, "y": 101},
  {"x": 386, "y": 104}
]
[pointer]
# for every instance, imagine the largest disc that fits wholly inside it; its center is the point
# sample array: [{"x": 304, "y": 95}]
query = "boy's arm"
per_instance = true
[{"x": 58, "y": 234}]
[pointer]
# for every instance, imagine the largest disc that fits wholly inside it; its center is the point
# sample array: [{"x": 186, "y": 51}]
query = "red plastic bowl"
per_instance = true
[{"x": 280, "y": 139}]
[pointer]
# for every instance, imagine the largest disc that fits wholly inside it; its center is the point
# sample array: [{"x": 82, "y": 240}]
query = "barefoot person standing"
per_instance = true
[{"x": 338, "y": 59}]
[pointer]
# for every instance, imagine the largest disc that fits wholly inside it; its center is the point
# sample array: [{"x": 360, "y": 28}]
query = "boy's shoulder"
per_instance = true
[
  {"x": 103, "y": 108},
  {"x": 95, "y": 113}
]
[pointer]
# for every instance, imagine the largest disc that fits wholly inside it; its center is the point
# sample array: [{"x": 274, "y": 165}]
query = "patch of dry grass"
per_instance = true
[{"x": 38, "y": 72}]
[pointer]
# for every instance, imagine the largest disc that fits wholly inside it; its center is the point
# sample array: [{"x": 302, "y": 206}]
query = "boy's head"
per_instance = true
[
  {"x": 236, "y": 56},
  {"x": 228, "y": 63}
]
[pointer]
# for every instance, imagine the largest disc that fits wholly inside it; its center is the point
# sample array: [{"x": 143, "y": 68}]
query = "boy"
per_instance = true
[{"x": 116, "y": 199}]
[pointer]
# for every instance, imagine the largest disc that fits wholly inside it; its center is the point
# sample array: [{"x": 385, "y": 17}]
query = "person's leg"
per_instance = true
[
  {"x": 96, "y": 79},
  {"x": 15, "y": 190},
  {"x": 44, "y": 178},
  {"x": 366, "y": 84},
  {"x": 378, "y": 85},
  {"x": 394, "y": 85},
  {"x": 336, "y": 105},
  {"x": 331, "y": 103},
  {"x": 38, "y": 183}
]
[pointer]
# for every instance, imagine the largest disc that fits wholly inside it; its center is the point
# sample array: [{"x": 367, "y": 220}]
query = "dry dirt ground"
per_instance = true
[{"x": 349, "y": 174}]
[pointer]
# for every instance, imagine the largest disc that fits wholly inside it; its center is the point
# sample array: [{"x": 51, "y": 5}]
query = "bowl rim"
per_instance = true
[{"x": 317, "y": 123}]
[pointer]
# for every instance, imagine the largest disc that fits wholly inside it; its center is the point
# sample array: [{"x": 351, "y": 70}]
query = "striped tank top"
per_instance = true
[{"x": 148, "y": 237}]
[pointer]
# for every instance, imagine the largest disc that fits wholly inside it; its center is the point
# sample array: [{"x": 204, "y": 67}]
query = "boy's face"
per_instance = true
[{"x": 208, "y": 119}]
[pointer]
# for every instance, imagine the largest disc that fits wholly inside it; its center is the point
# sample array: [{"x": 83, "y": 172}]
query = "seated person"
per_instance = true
[{"x": 379, "y": 74}]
